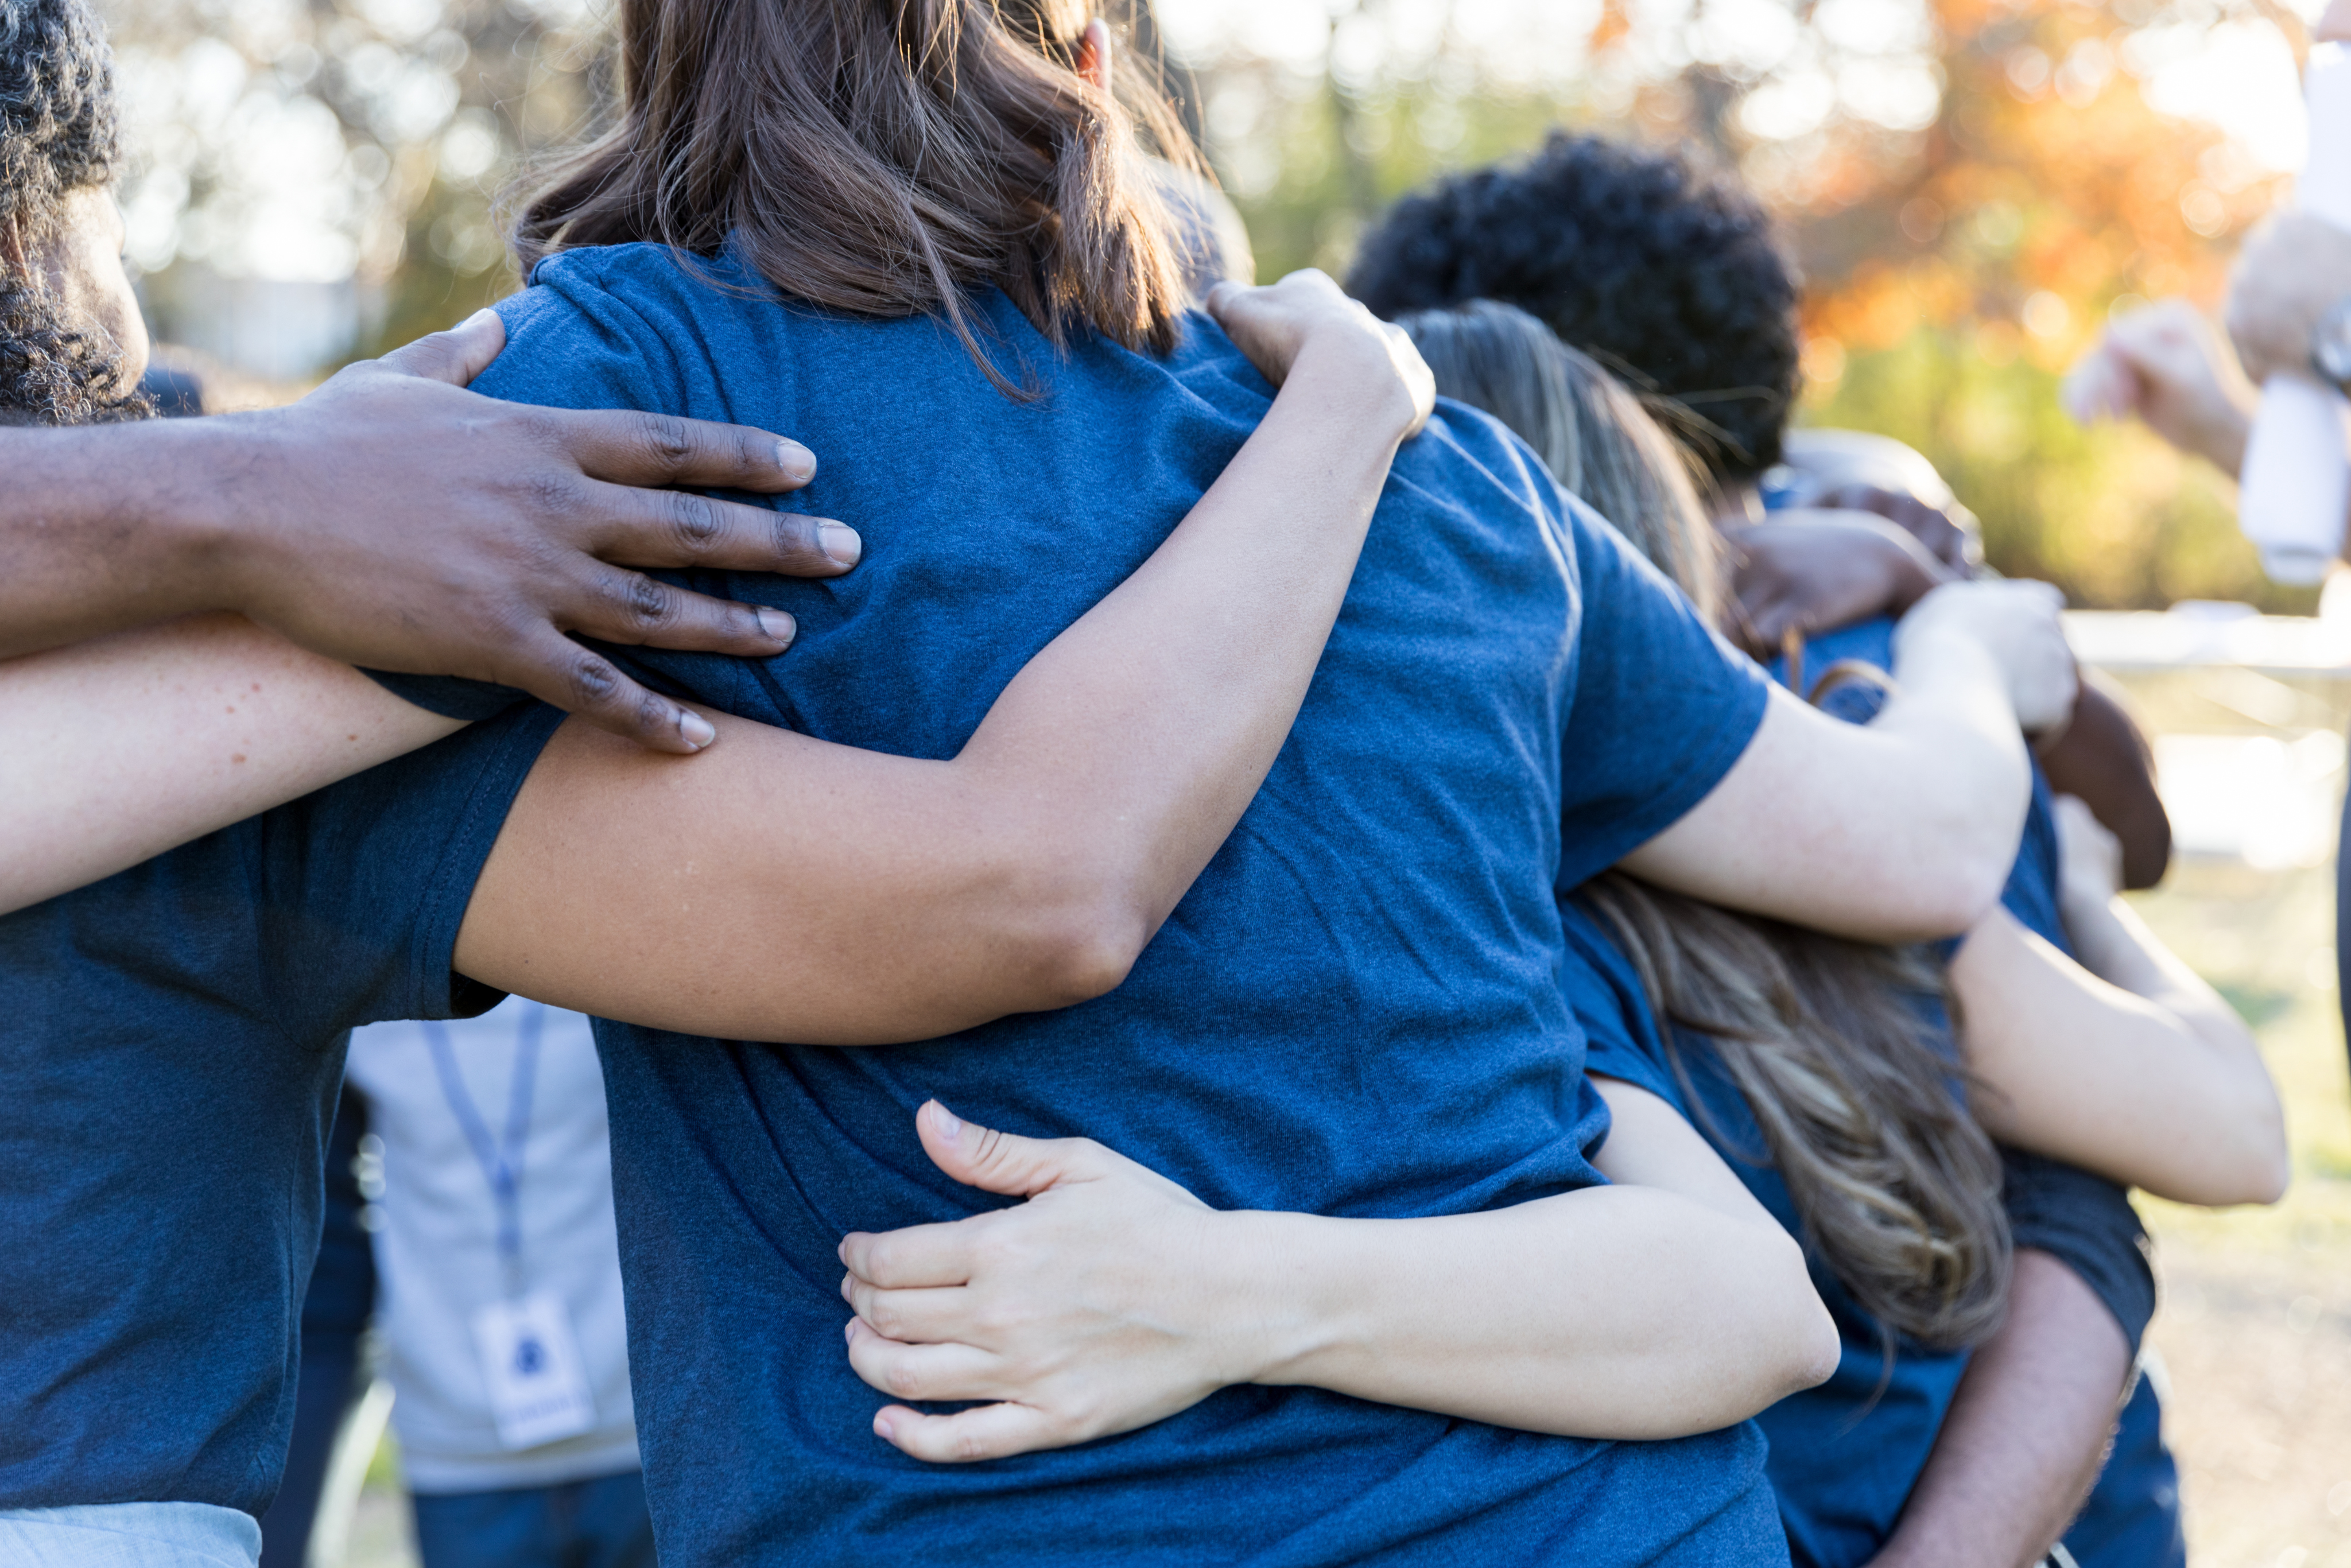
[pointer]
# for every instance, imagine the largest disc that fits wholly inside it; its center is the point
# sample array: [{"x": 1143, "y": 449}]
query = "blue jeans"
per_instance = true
[{"x": 598, "y": 1524}]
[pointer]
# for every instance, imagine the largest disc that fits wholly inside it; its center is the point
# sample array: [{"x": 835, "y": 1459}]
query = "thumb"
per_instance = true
[
  {"x": 455, "y": 356},
  {"x": 1003, "y": 1162}
]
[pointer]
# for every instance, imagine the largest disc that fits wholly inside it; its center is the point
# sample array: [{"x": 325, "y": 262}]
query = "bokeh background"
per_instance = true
[{"x": 1971, "y": 186}]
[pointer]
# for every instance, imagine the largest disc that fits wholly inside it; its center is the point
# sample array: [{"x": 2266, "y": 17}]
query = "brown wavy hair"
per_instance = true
[
  {"x": 1831, "y": 1042},
  {"x": 885, "y": 157}
]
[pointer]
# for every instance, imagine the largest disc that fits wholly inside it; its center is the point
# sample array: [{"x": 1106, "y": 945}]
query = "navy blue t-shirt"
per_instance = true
[
  {"x": 1846, "y": 1455},
  {"x": 1353, "y": 1012},
  {"x": 172, "y": 1050}
]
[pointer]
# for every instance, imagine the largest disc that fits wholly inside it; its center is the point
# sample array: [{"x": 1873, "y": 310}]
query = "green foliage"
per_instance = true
[{"x": 2111, "y": 515}]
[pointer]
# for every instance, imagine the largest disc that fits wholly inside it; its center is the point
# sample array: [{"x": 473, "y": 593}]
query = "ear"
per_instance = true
[{"x": 1093, "y": 53}]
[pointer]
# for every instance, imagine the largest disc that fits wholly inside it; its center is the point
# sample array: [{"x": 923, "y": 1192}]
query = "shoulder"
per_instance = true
[{"x": 605, "y": 327}]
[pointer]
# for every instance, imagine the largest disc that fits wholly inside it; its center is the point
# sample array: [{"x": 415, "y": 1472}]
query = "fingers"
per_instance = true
[
  {"x": 922, "y": 1372},
  {"x": 629, "y": 448},
  {"x": 632, "y": 609},
  {"x": 1002, "y": 1162},
  {"x": 578, "y": 679},
  {"x": 990, "y": 1432},
  {"x": 455, "y": 356},
  {"x": 917, "y": 1257},
  {"x": 679, "y": 528},
  {"x": 934, "y": 1315}
]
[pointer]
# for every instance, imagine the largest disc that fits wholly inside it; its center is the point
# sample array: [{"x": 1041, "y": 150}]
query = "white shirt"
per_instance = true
[{"x": 436, "y": 1247}]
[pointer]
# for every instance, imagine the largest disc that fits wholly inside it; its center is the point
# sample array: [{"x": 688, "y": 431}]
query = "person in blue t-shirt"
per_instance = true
[
  {"x": 1069, "y": 750},
  {"x": 1831, "y": 1086},
  {"x": 1381, "y": 929}
]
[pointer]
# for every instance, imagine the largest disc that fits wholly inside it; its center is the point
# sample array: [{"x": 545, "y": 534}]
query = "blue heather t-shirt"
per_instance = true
[
  {"x": 1846, "y": 1455},
  {"x": 172, "y": 1050},
  {"x": 1353, "y": 1012}
]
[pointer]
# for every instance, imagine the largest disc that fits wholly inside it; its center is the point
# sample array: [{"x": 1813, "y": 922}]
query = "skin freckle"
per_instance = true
[{"x": 236, "y": 757}]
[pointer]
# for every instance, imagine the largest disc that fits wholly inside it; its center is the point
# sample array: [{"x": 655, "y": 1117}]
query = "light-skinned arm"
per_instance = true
[
  {"x": 2024, "y": 1441},
  {"x": 2126, "y": 1063},
  {"x": 808, "y": 891},
  {"x": 801, "y": 890},
  {"x": 394, "y": 519},
  {"x": 1667, "y": 1303},
  {"x": 1904, "y": 829}
]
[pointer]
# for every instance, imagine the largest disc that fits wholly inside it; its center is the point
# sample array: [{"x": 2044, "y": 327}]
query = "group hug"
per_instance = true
[{"x": 1228, "y": 924}]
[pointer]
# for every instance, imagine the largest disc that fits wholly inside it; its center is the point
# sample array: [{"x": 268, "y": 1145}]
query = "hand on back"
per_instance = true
[
  {"x": 2017, "y": 623},
  {"x": 1277, "y": 325},
  {"x": 396, "y": 520},
  {"x": 1046, "y": 1312},
  {"x": 2166, "y": 365}
]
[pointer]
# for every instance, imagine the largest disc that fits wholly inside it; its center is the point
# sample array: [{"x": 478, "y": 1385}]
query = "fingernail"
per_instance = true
[
  {"x": 944, "y": 1120},
  {"x": 798, "y": 462},
  {"x": 882, "y": 1429},
  {"x": 841, "y": 542},
  {"x": 475, "y": 319},
  {"x": 696, "y": 729},
  {"x": 849, "y": 1329},
  {"x": 778, "y": 625}
]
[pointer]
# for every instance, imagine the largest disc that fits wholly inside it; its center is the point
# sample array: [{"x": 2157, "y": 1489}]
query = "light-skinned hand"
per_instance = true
[
  {"x": 2165, "y": 364},
  {"x": 1047, "y": 1310},
  {"x": 2017, "y": 623},
  {"x": 2292, "y": 271},
  {"x": 1275, "y": 324}
]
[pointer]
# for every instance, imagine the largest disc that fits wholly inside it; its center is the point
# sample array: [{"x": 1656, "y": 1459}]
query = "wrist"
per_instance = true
[
  {"x": 1355, "y": 376},
  {"x": 1271, "y": 1260}
]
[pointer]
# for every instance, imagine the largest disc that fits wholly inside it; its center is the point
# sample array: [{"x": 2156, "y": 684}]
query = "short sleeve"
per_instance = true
[
  {"x": 364, "y": 883},
  {"x": 1621, "y": 1038},
  {"x": 2086, "y": 1223},
  {"x": 1662, "y": 706}
]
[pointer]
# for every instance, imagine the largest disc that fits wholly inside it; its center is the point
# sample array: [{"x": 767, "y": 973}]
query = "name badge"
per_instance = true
[{"x": 538, "y": 1390}]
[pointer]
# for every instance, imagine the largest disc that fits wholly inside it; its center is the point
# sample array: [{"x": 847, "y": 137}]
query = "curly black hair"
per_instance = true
[
  {"x": 59, "y": 134},
  {"x": 1672, "y": 275}
]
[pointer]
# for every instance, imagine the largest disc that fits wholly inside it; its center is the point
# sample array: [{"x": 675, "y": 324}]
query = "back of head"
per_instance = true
[
  {"x": 883, "y": 157},
  {"x": 59, "y": 135},
  {"x": 1671, "y": 276},
  {"x": 1594, "y": 436}
]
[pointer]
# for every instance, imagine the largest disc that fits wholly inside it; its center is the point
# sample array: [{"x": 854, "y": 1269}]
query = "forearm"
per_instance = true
[
  {"x": 1121, "y": 756},
  {"x": 2115, "y": 1080},
  {"x": 1901, "y": 831},
  {"x": 813, "y": 892},
  {"x": 105, "y": 528},
  {"x": 1614, "y": 1311},
  {"x": 2026, "y": 1434},
  {"x": 2101, "y": 760},
  {"x": 125, "y": 746}
]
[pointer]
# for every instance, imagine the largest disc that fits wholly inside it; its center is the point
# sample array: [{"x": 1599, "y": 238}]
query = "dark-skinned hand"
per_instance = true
[
  {"x": 1948, "y": 536},
  {"x": 1813, "y": 570},
  {"x": 394, "y": 519}
]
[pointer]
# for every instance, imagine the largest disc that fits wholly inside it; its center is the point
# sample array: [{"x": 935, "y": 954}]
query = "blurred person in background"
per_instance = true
[
  {"x": 1676, "y": 280},
  {"x": 2288, "y": 312},
  {"x": 495, "y": 1242}
]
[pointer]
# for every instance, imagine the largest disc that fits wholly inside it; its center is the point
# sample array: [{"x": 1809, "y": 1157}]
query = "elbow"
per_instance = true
[
  {"x": 1071, "y": 949},
  {"x": 1808, "y": 1347}
]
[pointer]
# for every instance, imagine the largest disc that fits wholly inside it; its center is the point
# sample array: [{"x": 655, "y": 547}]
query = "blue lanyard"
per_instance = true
[{"x": 501, "y": 1161}]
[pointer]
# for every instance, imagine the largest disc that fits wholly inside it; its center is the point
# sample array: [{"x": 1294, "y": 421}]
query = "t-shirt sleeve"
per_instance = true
[
  {"x": 2086, "y": 1223},
  {"x": 362, "y": 885},
  {"x": 1603, "y": 990},
  {"x": 1662, "y": 706}
]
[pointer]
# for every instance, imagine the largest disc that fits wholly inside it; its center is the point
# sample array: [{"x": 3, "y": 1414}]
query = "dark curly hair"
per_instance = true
[
  {"x": 59, "y": 134},
  {"x": 1669, "y": 275}
]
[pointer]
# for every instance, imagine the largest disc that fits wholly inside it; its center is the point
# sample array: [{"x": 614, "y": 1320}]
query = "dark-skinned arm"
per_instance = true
[
  {"x": 2104, "y": 759},
  {"x": 394, "y": 520},
  {"x": 2027, "y": 1433}
]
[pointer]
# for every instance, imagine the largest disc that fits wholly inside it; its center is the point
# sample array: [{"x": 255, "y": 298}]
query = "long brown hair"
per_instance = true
[
  {"x": 884, "y": 157},
  {"x": 1831, "y": 1042}
]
